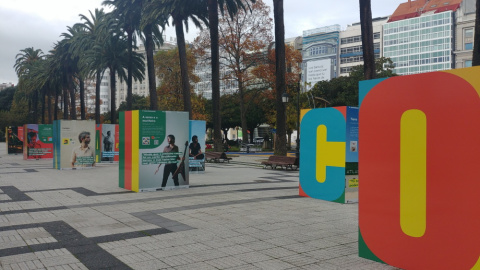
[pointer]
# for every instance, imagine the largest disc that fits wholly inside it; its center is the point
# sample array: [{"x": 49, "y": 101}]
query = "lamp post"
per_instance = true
[{"x": 285, "y": 98}]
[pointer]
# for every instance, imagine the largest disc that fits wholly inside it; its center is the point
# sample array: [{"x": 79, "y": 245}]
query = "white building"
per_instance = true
[{"x": 351, "y": 52}]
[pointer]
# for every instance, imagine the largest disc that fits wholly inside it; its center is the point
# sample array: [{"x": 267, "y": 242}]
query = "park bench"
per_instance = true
[
  {"x": 216, "y": 157},
  {"x": 282, "y": 162}
]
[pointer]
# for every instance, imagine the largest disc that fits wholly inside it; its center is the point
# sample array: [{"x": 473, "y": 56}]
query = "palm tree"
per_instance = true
[
  {"x": 129, "y": 13},
  {"x": 68, "y": 66},
  {"x": 181, "y": 11},
  {"x": 24, "y": 64},
  {"x": 77, "y": 47},
  {"x": 113, "y": 54},
  {"x": 232, "y": 8},
  {"x": 95, "y": 29},
  {"x": 152, "y": 36},
  {"x": 280, "y": 69},
  {"x": 367, "y": 39}
]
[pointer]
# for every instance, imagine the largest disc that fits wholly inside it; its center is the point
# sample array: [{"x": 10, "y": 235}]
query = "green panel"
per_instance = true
[
  {"x": 351, "y": 168},
  {"x": 152, "y": 125},
  {"x": 45, "y": 133}
]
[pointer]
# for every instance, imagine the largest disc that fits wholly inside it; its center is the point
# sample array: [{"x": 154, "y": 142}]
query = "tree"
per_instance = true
[
  {"x": 128, "y": 13},
  {"x": 232, "y": 8},
  {"x": 343, "y": 91},
  {"x": 24, "y": 64},
  {"x": 281, "y": 143},
  {"x": 476, "y": 38},
  {"x": 6, "y": 98},
  {"x": 169, "y": 93},
  {"x": 367, "y": 39},
  {"x": 95, "y": 29},
  {"x": 266, "y": 73},
  {"x": 181, "y": 11},
  {"x": 242, "y": 41}
]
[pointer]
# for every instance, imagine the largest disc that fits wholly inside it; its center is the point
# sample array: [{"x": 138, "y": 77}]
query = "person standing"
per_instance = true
[{"x": 170, "y": 168}]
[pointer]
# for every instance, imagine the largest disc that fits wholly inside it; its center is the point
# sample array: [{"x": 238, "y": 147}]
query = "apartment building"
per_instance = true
[{"x": 351, "y": 52}]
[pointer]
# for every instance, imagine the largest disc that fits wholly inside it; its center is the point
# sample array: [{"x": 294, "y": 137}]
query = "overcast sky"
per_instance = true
[{"x": 38, "y": 24}]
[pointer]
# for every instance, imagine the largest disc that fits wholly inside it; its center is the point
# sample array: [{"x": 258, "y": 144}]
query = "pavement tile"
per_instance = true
[{"x": 233, "y": 216}]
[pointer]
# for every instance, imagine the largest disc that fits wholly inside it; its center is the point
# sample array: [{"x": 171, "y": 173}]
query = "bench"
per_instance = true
[
  {"x": 282, "y": 162},
  {"x": 216, "y": 157}
]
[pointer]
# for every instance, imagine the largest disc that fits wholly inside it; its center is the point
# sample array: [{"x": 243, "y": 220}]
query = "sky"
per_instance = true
[{"x": 39, "y": 24}]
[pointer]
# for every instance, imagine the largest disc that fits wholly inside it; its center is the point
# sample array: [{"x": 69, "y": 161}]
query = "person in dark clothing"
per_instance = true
[
  {"x": 195, "y": 148},
  {"x": 170, "y": 168}
]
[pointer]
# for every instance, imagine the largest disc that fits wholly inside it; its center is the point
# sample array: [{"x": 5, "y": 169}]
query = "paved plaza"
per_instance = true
[{"x": 234, "y": 216}]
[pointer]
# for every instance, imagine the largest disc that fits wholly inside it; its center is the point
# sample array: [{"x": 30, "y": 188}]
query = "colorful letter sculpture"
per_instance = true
[
  {"x": 418, "y": 201},
  {"x": 39, "y": 141},
  {"x": 329, "y": 154},
  {"x": 147, "y": 163}
]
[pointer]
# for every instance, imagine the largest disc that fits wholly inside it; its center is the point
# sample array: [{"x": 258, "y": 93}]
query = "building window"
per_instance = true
[
  {"x": 468, "y": 38},
  {"x": 468, "y": 63},
  {"x": 469, "y": 33}
]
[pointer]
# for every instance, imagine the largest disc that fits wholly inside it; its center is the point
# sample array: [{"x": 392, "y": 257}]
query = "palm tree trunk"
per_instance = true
[
  {"x": 113, "y": 90},
  {"x": 280, "y": 69},
  {"x": 65, "y": 103},
  {"x": 182, "y": 52},
  {"x": 367, "y": 39},
  {"x": 35, "y": 107},
  {"x": 44, "y": 97},
  {"x": 243, "y": 113},
  {"x": 82, "y": 99},
  {"x": 130, "y": 70},
  {"x": 152, "y": 87},
  {"x": 73, "y": 107},
  {"x": 476, "y": 37},
  {"x": 49, "y": 108},
  {"x": 217, "y": 120},
  {"x": 97, "y": 97},
  {"x": 55, "y": 107}
]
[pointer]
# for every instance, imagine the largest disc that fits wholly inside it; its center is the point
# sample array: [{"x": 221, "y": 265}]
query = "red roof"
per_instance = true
[{"x": 413, "y": 9}]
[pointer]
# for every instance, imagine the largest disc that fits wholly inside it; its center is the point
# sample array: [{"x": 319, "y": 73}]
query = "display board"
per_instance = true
[
  {"x": 153, "y": 150},
  {"x": 38, "y": 143},
  {"x": 14, "y": 139},
  {"x": 196, "y": 149},
  {"x": 418, "y": 200},
  {"x": 329, "y": 154},
  {"x": 74, "y": 144},
  {"x": 107, "y": 143}
]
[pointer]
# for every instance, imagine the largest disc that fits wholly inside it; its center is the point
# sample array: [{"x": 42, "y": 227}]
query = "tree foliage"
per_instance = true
[
  {"x": 170, "y": 94},
  {"x": 243, "y": 39},
  {"x": 343, "y": 91},
  {"x": 266, "y": 73}
]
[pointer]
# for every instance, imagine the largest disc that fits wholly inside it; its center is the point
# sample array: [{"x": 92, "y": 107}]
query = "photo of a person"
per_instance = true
[
  {"x": 83, "y": 155},
  {"x": 32, "y": 137},
  {"x": 195, "y": 150},
  {"x": 172, "y": 168},
  {"x": 32, "y": 143},
  {"x": 108, "y": 142}
]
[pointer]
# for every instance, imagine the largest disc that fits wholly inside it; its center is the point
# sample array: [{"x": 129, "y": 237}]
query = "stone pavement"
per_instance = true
[{"x": 234, "y": 216}]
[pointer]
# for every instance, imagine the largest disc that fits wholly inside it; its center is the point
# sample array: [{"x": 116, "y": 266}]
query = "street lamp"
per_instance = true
[{"x": 285, "y": 98}]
